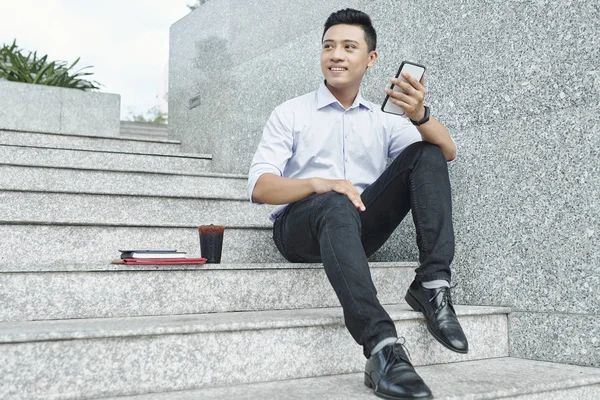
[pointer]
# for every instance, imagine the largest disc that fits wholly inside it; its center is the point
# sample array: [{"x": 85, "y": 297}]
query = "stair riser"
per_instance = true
[
  {"x": 124, "y": 183},
  {"x": 130, "y": 365},
  {"x": 101, "y": 160},
  {"x": 81, "y": 142},
  {"x": 66, "y": 295},
  {"x": 52, "y": 246},
  {"x": 66, "y": 208}
]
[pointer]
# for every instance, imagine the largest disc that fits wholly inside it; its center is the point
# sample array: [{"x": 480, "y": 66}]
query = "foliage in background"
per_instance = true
[
  {"x": 18, "y": 67},
  {"x": 196, "y": 4},
  {"x": 153, "y": 116}
]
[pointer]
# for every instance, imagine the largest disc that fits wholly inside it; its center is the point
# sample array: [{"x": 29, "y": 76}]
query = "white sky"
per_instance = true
[{"x": 126, "y": 41}]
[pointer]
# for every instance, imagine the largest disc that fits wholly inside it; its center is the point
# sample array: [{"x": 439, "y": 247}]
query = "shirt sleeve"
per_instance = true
[
  {"x": 274, "y": 149},
  {"x": 401, "y": 135}
]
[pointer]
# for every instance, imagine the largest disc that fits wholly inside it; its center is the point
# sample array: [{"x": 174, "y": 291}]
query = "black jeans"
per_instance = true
[{"x": 328, "y": 228}]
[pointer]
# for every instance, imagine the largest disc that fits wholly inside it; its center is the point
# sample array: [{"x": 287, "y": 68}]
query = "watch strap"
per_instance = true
[{"x": 425, "y": 118}]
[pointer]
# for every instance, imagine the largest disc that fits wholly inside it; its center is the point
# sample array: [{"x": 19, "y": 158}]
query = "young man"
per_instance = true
[{"x": 322, "y": 158}]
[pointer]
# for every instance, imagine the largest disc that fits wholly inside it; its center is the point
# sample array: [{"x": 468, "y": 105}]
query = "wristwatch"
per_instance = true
[{"x": 425, "y": 118}]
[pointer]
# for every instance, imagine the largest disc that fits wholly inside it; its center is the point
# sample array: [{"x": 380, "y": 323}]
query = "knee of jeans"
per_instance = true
[
  {"x": 340, "y": 202},
  {"x": 431, "y": 153}
]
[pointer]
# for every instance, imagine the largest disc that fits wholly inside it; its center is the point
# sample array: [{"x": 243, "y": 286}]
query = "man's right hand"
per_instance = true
[{"x": 342, "y": 186}]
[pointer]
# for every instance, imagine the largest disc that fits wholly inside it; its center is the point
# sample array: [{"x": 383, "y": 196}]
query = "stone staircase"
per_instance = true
[
  {"x": 143, "y": 130},
  {"x": 73, "y": 326}
]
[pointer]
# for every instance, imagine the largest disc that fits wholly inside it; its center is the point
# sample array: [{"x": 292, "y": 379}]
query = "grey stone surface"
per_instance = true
[
  {"x": 90, "y": 142},
  {"x": 101, "y": 292},
  {"x": 527, "y": 224},
  {"x": 567, "y": 338},
  {"x": 56, "y": 245},
  {"x": 82, "y": 114},
  {"x": 28, "y": 107},
  {"x": 67, "y": 180},
  {"x": 506, "y": 378},
  {"x": 515, "y": 63},
  {"x": 147, "y": 354},
  {"x": 263, "y": 266},
  {"x": 144, "y": 130},
  {"x": 120, "y": 210},
  {"x": 209, "y": 39},
  {"x": 591, "y": 392},
  {"x": 37, "y": 106},
  {"x": 103, "y": 159}
]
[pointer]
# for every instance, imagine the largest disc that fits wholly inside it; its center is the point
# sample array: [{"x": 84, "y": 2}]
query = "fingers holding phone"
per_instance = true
[{"x": 406, "y": 94}]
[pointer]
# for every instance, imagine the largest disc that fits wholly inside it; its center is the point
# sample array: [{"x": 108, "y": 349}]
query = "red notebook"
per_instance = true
[{"x": 137, "y": 261}]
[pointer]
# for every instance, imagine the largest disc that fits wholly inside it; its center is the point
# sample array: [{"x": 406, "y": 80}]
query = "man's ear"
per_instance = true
[{"x": 373, "y": 55}]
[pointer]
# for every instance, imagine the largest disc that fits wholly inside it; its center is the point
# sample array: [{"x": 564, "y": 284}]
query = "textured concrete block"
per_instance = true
[
  {"x": 515, "y": 64},
  {"x": 566, "y": 338},
  {"x": 67, "y": 180},
  {"x": 98, "y": 159},
  {"x": 507, "y": 378},
  {"x": 104, "y": 291},
  {"x": 119, "y": 210},
  {"x": 113, "y": 357},
  {"x": 28, "y": 107},
  {"x": 526, "y": 224},
  {"x": 67, "y": 245},
  {"x": 36, "y": 107},
  {"x": 144, "y": 130},
  {"x": 209, "y": 39},
  {"x": 98, "y": 114},
  {"x": 488, "y": 61},
  {"x": 89, "y": 142}
]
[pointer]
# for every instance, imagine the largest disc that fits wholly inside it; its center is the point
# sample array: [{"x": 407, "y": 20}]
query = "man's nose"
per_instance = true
[{"x": 337, "y": 54}]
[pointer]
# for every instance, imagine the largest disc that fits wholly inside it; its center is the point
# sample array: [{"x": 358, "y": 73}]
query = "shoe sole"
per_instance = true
[
  {"x": 370, "y": 385},
  {"x": 414, "y": 303}
]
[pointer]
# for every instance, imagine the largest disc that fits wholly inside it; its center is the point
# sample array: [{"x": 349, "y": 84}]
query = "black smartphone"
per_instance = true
[{"x": 416, "y": 71}]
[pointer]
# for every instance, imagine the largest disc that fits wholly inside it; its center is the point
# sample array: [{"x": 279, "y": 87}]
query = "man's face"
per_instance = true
[{"x": 345, "y": 56}]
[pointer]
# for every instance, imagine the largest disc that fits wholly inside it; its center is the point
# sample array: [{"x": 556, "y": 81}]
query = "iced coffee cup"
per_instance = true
[{"x": 211, "y": 242}]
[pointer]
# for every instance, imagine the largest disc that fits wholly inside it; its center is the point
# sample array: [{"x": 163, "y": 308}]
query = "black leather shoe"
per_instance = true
[
  {"x": 392, "y": 376},
  {"x": 436, "y": 305}
]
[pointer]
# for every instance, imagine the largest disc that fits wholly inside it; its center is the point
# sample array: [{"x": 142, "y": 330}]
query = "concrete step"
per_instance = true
[
  {"x": 125, "y": 356},
  {"x": 499, "y": 378},
  {"x": 88, "y": 142},
  {"x": 49, "y": 245},
  {"x": 145, "y": 130},
  {"x": 115, "y": 159},
  {"x": 127, "y": 183},
  {"x": 83, "y": 244},
  {"x": 102, "y": 291},
  {"x": 124, "y": 210}
]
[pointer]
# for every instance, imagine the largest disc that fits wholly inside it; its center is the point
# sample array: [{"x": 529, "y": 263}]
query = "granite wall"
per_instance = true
[
  {"x": 50, "y": 109},
  {"x": 517, "y": 83}
]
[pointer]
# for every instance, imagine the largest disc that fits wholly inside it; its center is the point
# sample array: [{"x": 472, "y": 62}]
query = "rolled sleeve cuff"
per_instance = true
[{"x": 255, "y": 173}]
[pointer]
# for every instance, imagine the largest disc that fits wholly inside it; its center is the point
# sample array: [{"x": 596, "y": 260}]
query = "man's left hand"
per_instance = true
[{"x": 412, "y": 101}]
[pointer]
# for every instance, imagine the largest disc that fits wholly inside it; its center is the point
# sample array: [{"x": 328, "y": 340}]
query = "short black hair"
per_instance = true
[{"x": 350, "y": 16}]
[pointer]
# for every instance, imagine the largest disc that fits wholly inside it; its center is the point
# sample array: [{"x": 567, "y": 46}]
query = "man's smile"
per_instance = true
[{"x": 338, "y": 70}]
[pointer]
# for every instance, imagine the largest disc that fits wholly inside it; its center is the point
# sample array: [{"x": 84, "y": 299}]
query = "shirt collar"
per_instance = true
[{"x": 326, "y": 98}]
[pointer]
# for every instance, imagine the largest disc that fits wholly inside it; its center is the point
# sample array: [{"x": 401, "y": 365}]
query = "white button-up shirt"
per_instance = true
[{"x": 313, "y": 136}]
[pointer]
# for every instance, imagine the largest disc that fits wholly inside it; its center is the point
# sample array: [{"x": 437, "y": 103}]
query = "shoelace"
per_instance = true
[
  {"x": 396, "y": 354},
  {"x": 446, "y": 298}
]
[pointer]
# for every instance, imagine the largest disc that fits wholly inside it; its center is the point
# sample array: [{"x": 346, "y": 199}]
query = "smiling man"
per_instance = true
[{"x": 322, "y": 158}]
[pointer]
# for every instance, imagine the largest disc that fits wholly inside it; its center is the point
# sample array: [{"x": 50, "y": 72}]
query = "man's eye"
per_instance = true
[{"x": 350, "y": 46}]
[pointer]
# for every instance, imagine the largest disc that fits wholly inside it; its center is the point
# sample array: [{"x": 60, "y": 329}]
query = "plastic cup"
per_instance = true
[{"x": 211, "y": 242}]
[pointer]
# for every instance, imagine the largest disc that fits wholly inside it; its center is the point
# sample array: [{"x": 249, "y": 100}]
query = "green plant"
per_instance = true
[
  {"x": 16, "y": 67},
  {"x": 153, "y": 116}
]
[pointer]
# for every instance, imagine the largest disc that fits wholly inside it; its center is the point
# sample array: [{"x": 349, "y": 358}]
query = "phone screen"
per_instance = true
[{"x": 416, "y": 71}]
